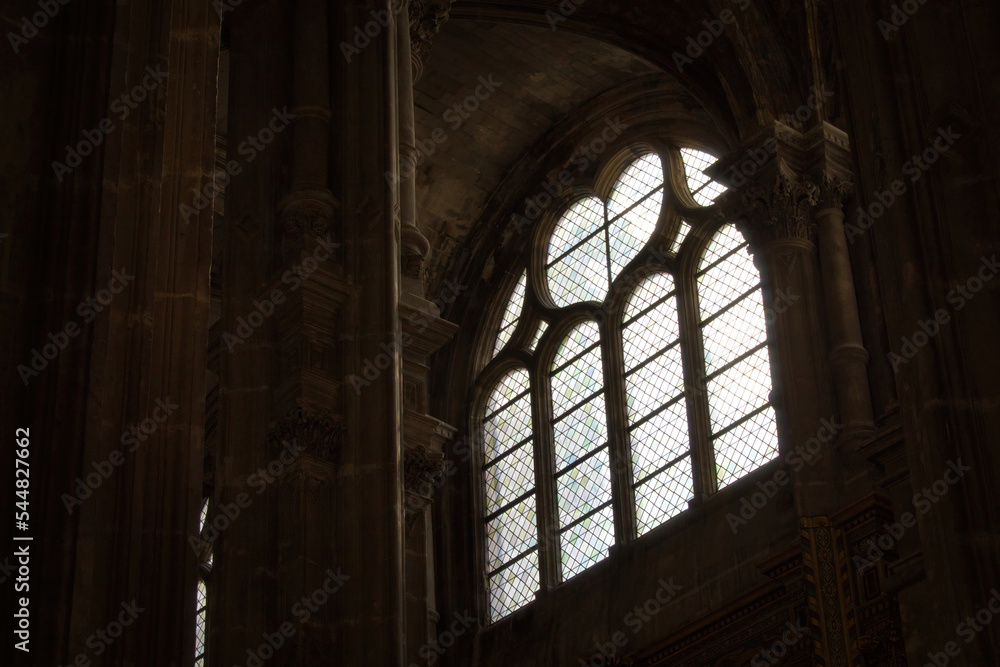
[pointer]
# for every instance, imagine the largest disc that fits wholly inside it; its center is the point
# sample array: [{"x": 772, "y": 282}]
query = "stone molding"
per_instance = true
[{"x": 318, "y": 432}]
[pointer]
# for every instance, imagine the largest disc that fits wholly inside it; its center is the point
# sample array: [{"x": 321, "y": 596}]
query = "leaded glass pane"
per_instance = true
[
  {"x": 587, "y": 542},
  {"x": 542, "y": 327},
  {"x": 659, "y": 440},
  {"x": 702, "y": 187},
  {"x": 682, "y": 235},
  {"x": 582, "y": 275},
  {"x": 584, "y": 336},
  {"x": 726, "y": 282},
  {"x": 584, "y": 487},
  {"x": 201, "y": 619},
  {"x": 650, "y": 333},
  {"x": 509, "y": 481},
  {"x": 579, "y": 432},
  {"x": 510, "y": 477},
  {"x": 746, "y": 447},
  {"x": 583, "y": 218},
  {"x": 511, "y": 533},
  {"x": 664, "y": 496},
  {"x": 640, "y": 178},
  {"x": 632, "y": 231},
  {"x": 514, "y": 587},
  {"x": 736, "y": 358},
  {"x": 653, "y": 289},
  {"x": 655, "y": 383},
  {"x": 511, "y": 315},
  {"x": 578, "y": 380}
]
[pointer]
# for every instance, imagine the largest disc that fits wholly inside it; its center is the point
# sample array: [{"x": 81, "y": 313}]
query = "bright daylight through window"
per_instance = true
[{"x": 631, "y": 352}]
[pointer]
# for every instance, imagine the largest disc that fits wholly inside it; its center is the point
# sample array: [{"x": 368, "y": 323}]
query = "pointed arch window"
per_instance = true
[{"x": 630, "y": 375}]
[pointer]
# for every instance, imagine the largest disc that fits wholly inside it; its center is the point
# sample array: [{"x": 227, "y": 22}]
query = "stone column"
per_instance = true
[
  {"x": 774, "y": 203},
  {"x": 848, "y": 355}
]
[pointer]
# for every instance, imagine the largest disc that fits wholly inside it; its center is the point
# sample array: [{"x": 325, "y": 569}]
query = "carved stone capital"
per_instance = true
[
  {"x": 422, "y": 471},
  {"x": 833, "y": 193},
  {"x": 307, "y": 212},
  {"x": 784, "y": 207},
  {"x": 315, "y": 436},
  {"x": 426, "y": 18}
]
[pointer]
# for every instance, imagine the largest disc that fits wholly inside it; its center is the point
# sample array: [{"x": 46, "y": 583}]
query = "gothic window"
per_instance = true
[
  {"x": 630, "y": 375},
  {"x": 201, "y": 598}
]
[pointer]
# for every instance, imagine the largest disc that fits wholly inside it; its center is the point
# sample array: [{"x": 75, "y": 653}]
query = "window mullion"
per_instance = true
[
  {"x": 622, "y": 493},
  {"x": 695, "y": 388},
  {"x": 547, "y": 507}
]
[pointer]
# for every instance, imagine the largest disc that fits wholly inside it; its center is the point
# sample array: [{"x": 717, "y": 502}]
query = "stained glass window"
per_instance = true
[
  {"x": 597, "y": 243},
  {"x": 737, "y": 365},
  {"x": 582, "y": 464},
  {"x": 702, "y": 187},
  {"x": 658, "y": 424},
  {"x": 509, "y": 475},
  {"x": 201, "y": 596}
]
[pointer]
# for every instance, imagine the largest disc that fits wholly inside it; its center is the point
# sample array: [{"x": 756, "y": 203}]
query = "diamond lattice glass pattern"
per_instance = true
[
  {"x": 739, "y": 390},
  {"x": 682, "y": 235},
  {"x": 733, "y": 326},
  {"x": 513, "y": 587},
  {"x": 510, "y": 477},
  {"x": 582, "y": 219},
  {"x": 649, "y": 291},
  {"x": 587, "y": 542},
  {"x": 584, "y": 336},
  {"x": 584, "y": 487},
  {"x": 703, "y": 189},
  {"x": 664, "y": 496},
  {"x": 582, "y": 275},
  {"x": 726, "y": 282},
  {"x": 579, "y": 432},
  {"x": 655, "y": 383},
  {"x": 648, "y": 334},
  {"x": 542, "y": 327},
  {"x": 640, "y": 178},
  {"x": 507, "y": 427},
  {"x": 511, "y": 533},
  {"x": 511, "y": 315},
  {"x": 578, "y": 380},
  {"x": 733, "y": 332},
  {"x": 746, "y": 447},
  {"x": 659, "y": 440},
  {"x": 630, "y": 232},
  {"x": 201, "y": 619}
]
